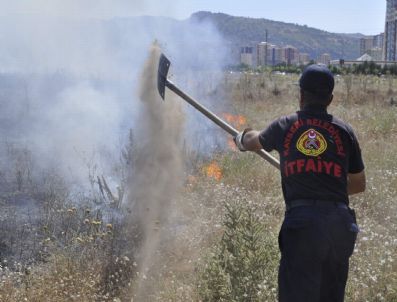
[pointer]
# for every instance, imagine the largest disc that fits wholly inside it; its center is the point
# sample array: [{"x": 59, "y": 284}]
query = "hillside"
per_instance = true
[{"x": 246, "y": 31}]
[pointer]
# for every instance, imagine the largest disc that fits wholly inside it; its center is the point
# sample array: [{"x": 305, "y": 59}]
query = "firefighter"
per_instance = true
[{"x": 321, "y": 165}]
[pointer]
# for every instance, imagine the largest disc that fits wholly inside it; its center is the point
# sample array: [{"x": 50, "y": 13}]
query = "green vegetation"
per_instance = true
[
  {"x": 243, "y": 265},
  {"x": 366, "y": 68}
]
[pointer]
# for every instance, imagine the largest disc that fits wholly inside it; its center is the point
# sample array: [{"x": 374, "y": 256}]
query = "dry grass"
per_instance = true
[
  {"x": 86, "y": 260},
  {"x": 363, "y": 102}
]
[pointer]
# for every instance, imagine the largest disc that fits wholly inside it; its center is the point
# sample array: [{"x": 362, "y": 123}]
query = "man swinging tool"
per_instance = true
[{"x": 320, "y": 165}]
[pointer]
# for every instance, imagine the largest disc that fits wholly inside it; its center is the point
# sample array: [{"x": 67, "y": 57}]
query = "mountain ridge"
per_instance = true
[{"x": 247, "y": 31}]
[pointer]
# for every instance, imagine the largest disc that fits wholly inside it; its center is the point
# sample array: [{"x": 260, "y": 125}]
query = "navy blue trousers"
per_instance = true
[{"x": 315, "y": 243}]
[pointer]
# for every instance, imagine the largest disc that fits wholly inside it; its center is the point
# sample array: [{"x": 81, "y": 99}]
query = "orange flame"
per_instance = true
[
  {"x": 237, "y": 121},
  {"x": 213, "y": 171}
]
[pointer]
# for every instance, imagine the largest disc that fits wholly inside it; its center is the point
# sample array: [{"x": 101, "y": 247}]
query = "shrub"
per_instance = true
[{"x": 243, "y": 265}]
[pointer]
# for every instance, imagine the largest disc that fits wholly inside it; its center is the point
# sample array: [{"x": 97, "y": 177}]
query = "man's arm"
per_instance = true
[
  {"x": 356, "y": 183},
  {"x": 248, "y": 140}
]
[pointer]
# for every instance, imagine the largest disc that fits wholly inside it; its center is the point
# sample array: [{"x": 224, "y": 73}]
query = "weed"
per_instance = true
[{"x": 243, "y": 265}]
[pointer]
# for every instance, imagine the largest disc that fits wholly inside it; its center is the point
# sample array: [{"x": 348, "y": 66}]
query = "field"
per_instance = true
[{"x": 218, "y": 239}]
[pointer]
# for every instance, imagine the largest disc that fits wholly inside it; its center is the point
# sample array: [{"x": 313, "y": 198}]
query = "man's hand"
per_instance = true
[
  {"x": 248, "y": 140},
  {"x": 239, "y": 138},
  {"x": 356, "y": 183}
]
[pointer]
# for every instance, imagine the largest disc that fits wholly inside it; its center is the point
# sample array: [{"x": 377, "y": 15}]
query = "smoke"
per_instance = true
[
  {"x": 72, "y": 88},
  {"x": 158, "y": 168},
  {"x": 69, "y": 86}
]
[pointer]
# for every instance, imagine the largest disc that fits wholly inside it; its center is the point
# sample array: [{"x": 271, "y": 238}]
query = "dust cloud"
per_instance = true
[{"x": 158, "y": 170}]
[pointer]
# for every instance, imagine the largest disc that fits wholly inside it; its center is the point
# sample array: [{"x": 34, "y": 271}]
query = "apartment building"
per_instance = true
[
  {"x": 266, "y": 54},
  {"x": 389, "y": 48},
  {"x": 287, "y": 54},
  {"x": 304, "y": 58},
  {"x": 325, "y": 58},
  {"x": 371, "y": 44},
  {"x": 379, "y": 40},
  {"x": 366, "y": 44},
  {"x": 247, "y": 56}
]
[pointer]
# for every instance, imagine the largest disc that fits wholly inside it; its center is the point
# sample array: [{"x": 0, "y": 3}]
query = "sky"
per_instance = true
[
  {"x": 342, "y": 16},
  {"x": 347, "y": 16}
]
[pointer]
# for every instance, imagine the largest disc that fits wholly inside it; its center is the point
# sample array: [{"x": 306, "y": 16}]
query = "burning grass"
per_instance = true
[
  {"x": 220, "y": 187},
  {"x": 213, "y": 171}
]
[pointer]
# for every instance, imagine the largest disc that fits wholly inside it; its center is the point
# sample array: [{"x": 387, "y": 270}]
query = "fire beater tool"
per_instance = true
[{"x": 163, "y": 81}]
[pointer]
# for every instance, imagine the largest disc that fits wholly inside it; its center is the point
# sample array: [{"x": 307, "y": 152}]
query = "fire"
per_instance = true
[
  {"x": 237, "y": 121},
  {"x": 213, "y": 171}
]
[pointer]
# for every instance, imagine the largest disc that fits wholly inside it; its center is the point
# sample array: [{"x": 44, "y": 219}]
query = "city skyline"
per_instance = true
[
  {"x": 380, "y": 47},
  {"x": 268, "y": 54}
]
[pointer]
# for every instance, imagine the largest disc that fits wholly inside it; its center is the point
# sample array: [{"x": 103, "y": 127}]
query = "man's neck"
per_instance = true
[{"x": 314, "y": 107}]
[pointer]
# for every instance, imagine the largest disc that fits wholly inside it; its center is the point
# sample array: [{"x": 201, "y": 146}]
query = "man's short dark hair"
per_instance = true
[{"x": 317, "y": 82}]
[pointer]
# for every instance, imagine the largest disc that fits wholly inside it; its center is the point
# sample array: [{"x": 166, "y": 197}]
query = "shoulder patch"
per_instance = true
[{"x": 311, "y": 143}]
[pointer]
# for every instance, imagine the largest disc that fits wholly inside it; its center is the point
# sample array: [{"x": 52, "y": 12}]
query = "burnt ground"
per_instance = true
[{"x": 19, "y": 228}]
